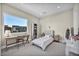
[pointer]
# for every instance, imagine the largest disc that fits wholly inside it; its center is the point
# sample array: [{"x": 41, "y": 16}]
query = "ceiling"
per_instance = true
[{"x": 42, "y": 9}]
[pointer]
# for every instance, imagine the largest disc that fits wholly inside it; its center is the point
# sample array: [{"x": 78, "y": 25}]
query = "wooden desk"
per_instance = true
[{"x": 17, "y": 38}]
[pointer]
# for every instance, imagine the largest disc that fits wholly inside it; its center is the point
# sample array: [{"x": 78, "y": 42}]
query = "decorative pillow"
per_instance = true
[{"x": 50, "y": 33}]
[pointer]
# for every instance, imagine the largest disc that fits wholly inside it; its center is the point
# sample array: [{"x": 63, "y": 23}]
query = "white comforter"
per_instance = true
[{"x": 43, "y": 42}]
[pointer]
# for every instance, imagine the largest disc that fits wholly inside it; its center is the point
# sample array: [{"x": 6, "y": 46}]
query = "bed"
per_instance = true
[{"x": 43, "y": 42}]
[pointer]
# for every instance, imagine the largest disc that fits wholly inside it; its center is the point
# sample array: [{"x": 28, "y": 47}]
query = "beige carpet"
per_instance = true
[{"x": 55, "y": 49}]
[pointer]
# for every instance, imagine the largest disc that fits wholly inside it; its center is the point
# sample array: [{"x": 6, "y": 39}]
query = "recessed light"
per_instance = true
[{"x": 58, "y": 6}]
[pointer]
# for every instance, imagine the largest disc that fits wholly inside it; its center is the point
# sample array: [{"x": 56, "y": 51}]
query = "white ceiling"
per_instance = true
[{"x": 42, "y": 9}]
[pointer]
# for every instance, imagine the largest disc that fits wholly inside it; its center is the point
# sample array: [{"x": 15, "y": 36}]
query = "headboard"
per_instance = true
[{"x": 49, "y": 33}]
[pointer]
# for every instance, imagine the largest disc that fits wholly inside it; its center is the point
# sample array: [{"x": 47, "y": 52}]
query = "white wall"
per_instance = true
[
  {"x": 16, "y": 12},
  {"x": 0, "y": 28},
  {"x": 76, "y": 18},
  {"x": 58, "y": 22}
]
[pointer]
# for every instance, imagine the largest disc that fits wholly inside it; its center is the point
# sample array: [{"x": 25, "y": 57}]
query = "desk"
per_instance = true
[{"x": 17, "y": 38}]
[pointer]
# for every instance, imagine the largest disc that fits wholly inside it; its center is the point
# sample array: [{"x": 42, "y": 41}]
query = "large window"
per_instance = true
[{"x": 14, "y": 24}]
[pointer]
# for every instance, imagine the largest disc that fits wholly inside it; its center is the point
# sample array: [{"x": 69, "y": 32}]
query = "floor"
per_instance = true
[{"x": 54, "y": 49}]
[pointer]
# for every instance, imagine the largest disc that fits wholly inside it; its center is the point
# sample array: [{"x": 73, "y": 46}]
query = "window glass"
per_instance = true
[{"x": 15, "y": 24}]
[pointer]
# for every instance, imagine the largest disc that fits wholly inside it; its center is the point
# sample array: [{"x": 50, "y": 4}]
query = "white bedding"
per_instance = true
[{"x": 43, "y": 42}]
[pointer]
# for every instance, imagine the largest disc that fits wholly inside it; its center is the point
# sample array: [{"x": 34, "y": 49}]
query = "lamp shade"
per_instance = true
[{"x": 7, "y": 33}]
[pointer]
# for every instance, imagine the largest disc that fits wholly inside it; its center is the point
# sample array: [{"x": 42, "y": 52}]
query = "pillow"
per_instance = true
[
  {"x": 43, "y": 34},
  {"x": 50, "y": 33}
]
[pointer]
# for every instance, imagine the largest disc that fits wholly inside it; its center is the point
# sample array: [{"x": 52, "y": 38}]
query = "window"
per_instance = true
[{"x": 14, "y": 24}]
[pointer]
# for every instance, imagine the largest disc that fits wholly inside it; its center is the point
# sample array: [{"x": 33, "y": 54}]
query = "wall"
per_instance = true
[
  {"x": 0, "y": 28},
  {"x": 58, "y": 22},
  {"x": 76, "y": 18},
  {"x": 14, "y": 11}
]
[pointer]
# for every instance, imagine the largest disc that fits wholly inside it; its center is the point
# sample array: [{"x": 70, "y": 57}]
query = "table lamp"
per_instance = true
[{"x": 7, "y": 33}]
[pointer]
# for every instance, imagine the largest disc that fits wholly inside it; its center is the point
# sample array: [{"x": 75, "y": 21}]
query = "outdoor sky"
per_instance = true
[{"x": 13, "y": 20}]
